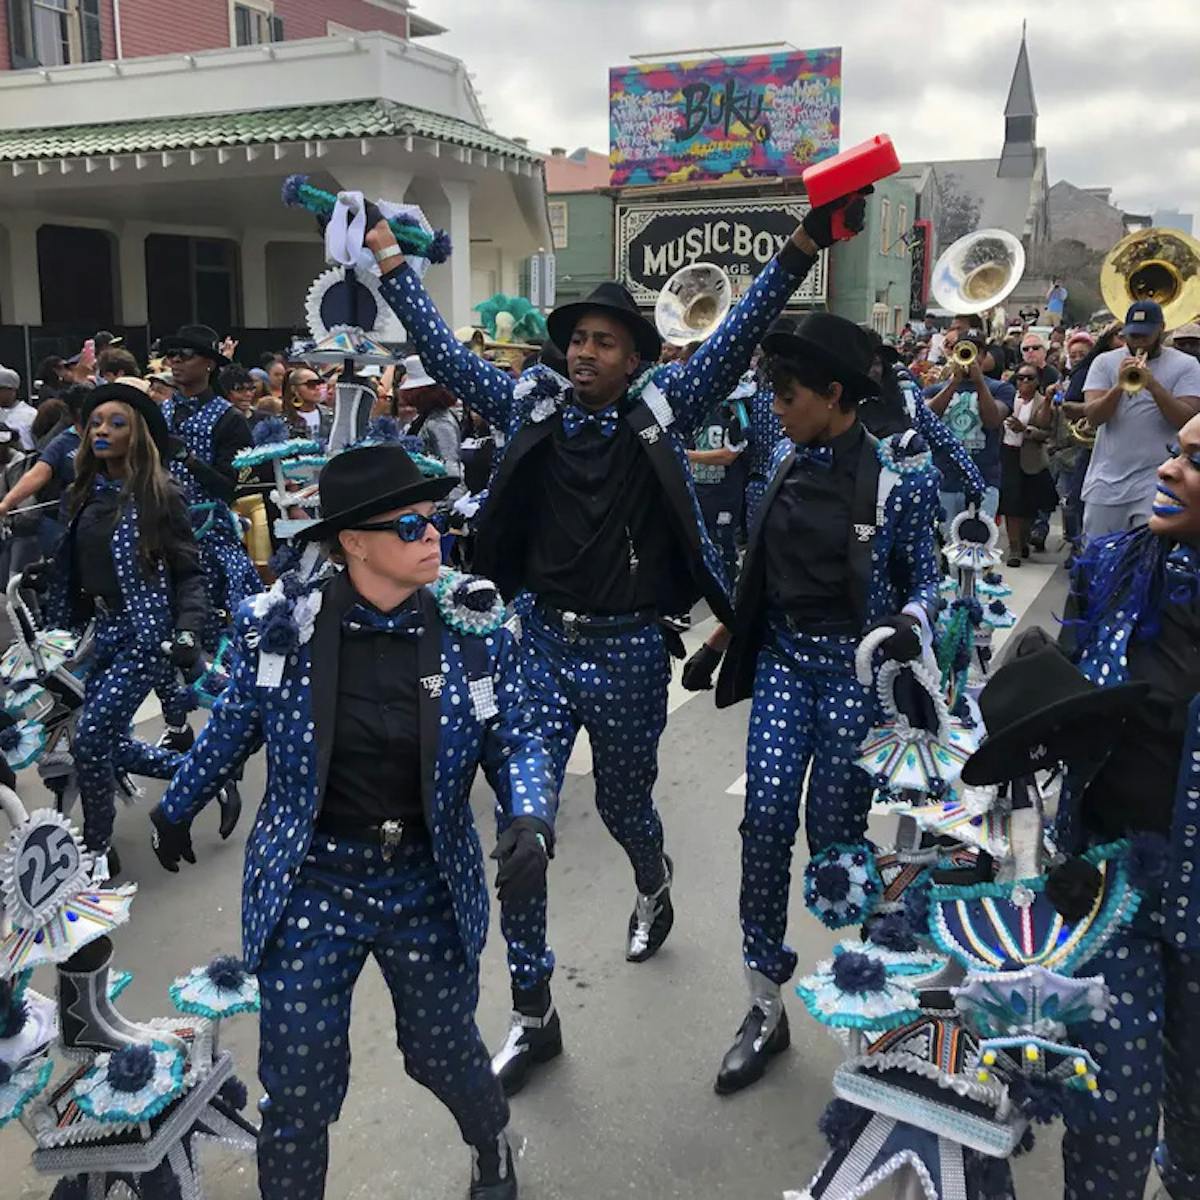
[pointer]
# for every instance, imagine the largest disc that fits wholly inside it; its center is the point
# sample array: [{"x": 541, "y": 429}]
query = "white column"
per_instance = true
[
  {"x": 458, "y": 194},
  {"x": 20, "y": 284},
  {"x": 132, "y": 302},
  {"x": 255, "y": 305}
]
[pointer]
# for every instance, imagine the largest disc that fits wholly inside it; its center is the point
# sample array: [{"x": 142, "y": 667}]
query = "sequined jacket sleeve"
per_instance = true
[
  {"x": 914, "y": 562},
  {"x": 714, "y": 370},
  {"x": 483, "y": 386},
  {"x": 514, "y": 759},
  {"x": 233, "y": 733}
]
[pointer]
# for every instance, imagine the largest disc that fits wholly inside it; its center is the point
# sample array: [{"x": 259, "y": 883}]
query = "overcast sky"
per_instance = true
[{"x": 1117, "y": 84}]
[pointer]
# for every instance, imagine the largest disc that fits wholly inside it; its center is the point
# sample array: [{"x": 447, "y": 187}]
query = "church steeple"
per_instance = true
[{"x": 1019, "y": 155}]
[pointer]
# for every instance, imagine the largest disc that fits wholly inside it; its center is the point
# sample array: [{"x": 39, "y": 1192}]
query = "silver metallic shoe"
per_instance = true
[{"x": 652, "y": 919}]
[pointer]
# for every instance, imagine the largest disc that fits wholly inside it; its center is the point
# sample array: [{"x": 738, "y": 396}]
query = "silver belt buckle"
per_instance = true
[{"x": 390, "y": 833}]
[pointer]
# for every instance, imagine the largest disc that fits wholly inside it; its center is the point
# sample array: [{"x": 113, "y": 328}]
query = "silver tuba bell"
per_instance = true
[
  {"x": 693, "y": 302},
  {"x": 978, "y": 271}
]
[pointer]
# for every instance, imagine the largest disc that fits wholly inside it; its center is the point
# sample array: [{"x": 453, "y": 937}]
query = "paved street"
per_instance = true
[{"x": 629, "y": 1109}]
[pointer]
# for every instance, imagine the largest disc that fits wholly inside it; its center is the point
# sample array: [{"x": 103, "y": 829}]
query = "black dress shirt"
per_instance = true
[
  {"x": 1134, "y": 791},
  {"x": 806, "y": 535},
  {"x": 375, "y": 762},
  {"x": 601, "y": 532}
]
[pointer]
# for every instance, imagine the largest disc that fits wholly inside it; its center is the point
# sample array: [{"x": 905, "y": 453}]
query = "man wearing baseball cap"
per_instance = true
[
  {"x": 1133, "y": 427},
  {"x": 14, "y": 413},
  {"x": 1186, "y": 339}
]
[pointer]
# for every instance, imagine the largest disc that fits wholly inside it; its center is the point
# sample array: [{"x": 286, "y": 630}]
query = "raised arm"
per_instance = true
[
  {"x": 714, "y": 370},
  {"x": 476, "y": 382}
]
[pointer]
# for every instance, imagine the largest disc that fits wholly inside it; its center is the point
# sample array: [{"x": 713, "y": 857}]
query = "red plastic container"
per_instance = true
[{"x": 851, "y": 170}]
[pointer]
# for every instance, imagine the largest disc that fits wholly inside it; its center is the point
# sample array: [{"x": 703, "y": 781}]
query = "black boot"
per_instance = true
[
  {"x": 763, "y": 1034},
  {"x": 229, "y": 800},
  {"x": 179, "y": 738},
  {"x": 535, "y": 1036},
  {"x": 492, "y": 1173},
  {"x": 651, "y": 919}
]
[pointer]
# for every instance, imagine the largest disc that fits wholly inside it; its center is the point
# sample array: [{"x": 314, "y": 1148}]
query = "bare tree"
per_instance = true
[{"x": 958, "y": 210}]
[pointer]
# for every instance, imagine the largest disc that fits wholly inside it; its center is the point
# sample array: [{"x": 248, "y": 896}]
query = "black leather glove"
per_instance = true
[
  {"x": 914, "y": 702},
  {"x": 905, "y": 644},
  {"x": 698, "y": 670},
  {"x": 819, "y": 222},
  {"x": 171, "y": 842},
  {"x": 183, "y": 648},
  {"x": 523, "y": 850},
  {"x": 36, "y": 576}
]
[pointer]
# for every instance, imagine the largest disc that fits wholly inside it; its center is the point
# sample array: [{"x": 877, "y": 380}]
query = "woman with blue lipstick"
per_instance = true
[
  {"x": 129, "y": 560},
  {"x": 1136, "y": 600}
]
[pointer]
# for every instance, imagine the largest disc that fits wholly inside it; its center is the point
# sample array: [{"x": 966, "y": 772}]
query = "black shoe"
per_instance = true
[
  {"x": 651, "y": 919},
  {"x": 1014, "y": 560},
  {"x": 492, "y": 1174},
  {"x": 746, "y": 1061},
  {"x": 230, "y": 802},
  {"x": 535, "y": 1036},
  {"x": 178, "y": 738},
  {"x": 1038, "y": 544}
]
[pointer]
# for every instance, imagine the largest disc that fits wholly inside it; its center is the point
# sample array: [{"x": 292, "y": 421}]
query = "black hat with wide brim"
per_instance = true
[
  {"x": 357, "y": 485},
  {"x": 140, "y": 402},
  {"x": 1039, "y": 710},
  {"x": 200, "y": 339},
  {"x": 835, "y": 342},
  {"x": 614, "y": 300}
]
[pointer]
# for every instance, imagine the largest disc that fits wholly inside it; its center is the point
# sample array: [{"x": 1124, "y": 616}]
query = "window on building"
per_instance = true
[
  {"x": 558, "y": 223},
  {"x": 901, "y": 229},
  {"x": 76, "y": 276},
  {"x": 255, "y": 24},
  {"x": 53, "y": 33},
  {"x": 885, "y": 224},
  {"x": 192, "y": 280}
]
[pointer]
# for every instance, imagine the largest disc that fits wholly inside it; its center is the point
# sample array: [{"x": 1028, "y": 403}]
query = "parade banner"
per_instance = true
[
  {"x": 741, "y": 236},
  {"x": 766, "y": 115}
]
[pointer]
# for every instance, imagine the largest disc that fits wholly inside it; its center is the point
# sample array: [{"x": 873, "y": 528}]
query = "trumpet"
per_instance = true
[
  {"x": 964, "y": 353},
  {"x": 1134, "y": 378}
]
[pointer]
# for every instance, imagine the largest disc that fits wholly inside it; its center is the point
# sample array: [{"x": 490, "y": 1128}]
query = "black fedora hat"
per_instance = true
[
  {"x": 834, "y": 341},
  {"x": 140, "y": 402},
  {"x": 615, "y": 300},
  {"x": 1039, "y": 709},
  {"x": 200, "y": 339},
  {"x": 357, "y": 485}
]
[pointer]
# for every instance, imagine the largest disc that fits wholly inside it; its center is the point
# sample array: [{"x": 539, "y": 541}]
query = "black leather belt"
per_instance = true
[
  {"x": 576, "y": 625},
  {"x": 387, "y": 835},
  {"x": 816, "y": 628}
]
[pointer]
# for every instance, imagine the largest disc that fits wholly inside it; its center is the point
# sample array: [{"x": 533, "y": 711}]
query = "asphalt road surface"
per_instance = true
[{"x": 628, "y": 1110}]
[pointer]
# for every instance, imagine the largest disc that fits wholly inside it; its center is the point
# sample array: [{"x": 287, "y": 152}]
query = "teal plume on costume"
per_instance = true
[{"x": 529, "y": 324}]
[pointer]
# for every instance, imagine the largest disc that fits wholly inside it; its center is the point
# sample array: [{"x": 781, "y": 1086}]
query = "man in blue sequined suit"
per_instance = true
[
  {"x": 592, "y": 513},
  {"x": 843, "y": 543},
  {"x": 377, "y": 699},
  {"x": 1136, "y": 618},
  {"x": 207, "y": 432}
]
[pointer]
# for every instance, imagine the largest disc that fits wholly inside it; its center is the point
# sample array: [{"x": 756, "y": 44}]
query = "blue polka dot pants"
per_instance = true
[
  {"x": 1148, "y": 1050},
  {"x": 807, "y": 708},
  {"x": 347, "y": 903},
  {"x": 615, "y": 688},
  {"x": 121, "y": 676}
]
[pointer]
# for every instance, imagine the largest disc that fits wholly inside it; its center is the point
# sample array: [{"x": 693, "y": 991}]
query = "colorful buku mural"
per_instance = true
[{"x": 724, "y": 118}]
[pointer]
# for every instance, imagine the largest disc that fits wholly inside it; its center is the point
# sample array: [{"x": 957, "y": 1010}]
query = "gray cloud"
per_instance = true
[{"x": 1117, "y": 87}]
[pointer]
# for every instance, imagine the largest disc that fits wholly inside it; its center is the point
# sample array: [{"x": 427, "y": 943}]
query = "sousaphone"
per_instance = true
[
  {"x": 1162, "y": 265},
  {"x": 978, "y": 271},
  {"x": 693, "y": 302}
]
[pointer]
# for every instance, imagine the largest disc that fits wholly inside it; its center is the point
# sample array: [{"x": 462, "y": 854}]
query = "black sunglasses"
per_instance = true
[
  {"x": 408, "y": 527},
  {"x": 180, "y": 356},
  {"x": 1027, "y": 377}
]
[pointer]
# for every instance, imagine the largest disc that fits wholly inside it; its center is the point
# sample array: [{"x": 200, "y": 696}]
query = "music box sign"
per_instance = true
[{"x": 740, "y": 236}]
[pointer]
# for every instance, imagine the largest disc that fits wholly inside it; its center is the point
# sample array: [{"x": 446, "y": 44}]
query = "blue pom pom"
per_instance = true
[
  {"x": 385, "y": 429},
  {"x": 440, "y": 247},
  {"x": 841, "y": 1123},
  {"x": 285, "y": 559},
  {"x": 233, "y": 1093},
  {"x": 13, "y": 1015},
  {"x": 859, "y": 973},
  {"x": 1044, "y": 1100},
  {"x": 269, "y": 431},
  {"x": 892, "y": 932},
  {"x": 831, "y": 882},
  {"x": 1147, "y": 861},
  {"x": 227, "y": 973},
  {"x": 10, "y": 738},
  {"x": 916, "y": 905},
  {"x": 131, "y": 1068},
  {"x": 291, "y": 189}
]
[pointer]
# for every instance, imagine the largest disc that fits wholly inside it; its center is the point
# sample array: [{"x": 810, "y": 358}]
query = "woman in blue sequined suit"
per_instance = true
[
  {"x": 377, "y": 695},
  {"x": 129, "y": 561},
  {"x": 1136, "y": 602}
]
